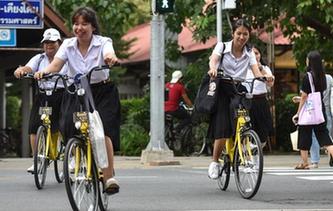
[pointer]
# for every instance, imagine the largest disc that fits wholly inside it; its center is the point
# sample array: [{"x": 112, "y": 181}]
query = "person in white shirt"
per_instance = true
[
  {"x": 51, "y": 42},
  {"x": 260, "y": 114},
  {"x": 238, "y": 57},
  {"x": 83, "y": 52}
]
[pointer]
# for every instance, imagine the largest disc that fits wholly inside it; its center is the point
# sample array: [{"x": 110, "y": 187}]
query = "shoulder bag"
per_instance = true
[
  {"x": 96, "y": 129},
  {"x": 311, "y": 113},
  {"x": 206, "y": 99}
]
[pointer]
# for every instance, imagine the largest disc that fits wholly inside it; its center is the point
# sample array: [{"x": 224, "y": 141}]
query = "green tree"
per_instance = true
[
  {"x": 307, "y": 29},
  {"x": 115, "y": 18}
]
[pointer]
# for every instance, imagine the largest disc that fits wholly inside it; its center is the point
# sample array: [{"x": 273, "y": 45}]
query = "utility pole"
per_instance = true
[
  {"x": 220, "y": 6},
  {"x": 157, "y": 151}
]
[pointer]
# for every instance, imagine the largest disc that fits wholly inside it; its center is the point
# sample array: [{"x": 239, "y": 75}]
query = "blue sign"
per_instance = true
[
  {"x": 23, "y": 14},
  {"x": 7, "y": 37}
]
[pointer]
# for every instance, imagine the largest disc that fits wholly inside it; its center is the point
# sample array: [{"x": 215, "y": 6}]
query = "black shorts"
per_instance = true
[
  {"x": 107, "y": 103},
  {"x": 305, "y": 135},
  {"x": 54, "y": 101}
]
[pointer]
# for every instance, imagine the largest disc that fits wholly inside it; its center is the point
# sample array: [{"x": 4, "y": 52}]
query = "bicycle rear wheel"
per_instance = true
[
  {"x": 40, "y": 158},
  {"x": 82, "y": 192},
  {"x": 199, "y": 139},
  {"x": 59, "y": 162},
  {"x": 224, "y": 177},
  {"x": 248, "y": 174}
]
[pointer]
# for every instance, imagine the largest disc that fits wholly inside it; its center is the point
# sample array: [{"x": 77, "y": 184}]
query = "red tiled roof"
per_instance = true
[{"x": 141, "y": 46}]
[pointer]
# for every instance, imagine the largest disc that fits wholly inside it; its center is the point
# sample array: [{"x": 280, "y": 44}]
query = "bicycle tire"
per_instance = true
[
  {"x": 40, "y": 158},
  {"x": 248, "y": 175},
  {"x": 82, "y": 192},
  {"x": 103, "y": 199},
  {"x": 187, "y": 146},
  {"x": 59, "y": 162},
  {"x": 199, "y": 139},
  {"x": 224, "y": 176}
]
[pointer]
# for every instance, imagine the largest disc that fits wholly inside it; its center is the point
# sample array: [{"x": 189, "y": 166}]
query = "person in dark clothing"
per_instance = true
[{"x": 316, "y": 69}]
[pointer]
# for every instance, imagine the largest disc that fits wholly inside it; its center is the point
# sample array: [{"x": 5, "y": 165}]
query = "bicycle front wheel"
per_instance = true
[
  {"x": 82, "y": 191},
  {"x": 248, "y": 164},
  {"x": 59, "y": 162},
  {"x": 224, "y": 177},
  {"x": 40, "y": 158},
  {"x": 103, "y": 202}
]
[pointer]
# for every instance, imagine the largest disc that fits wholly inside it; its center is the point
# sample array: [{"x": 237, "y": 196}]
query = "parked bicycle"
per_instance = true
[
  {"x": 49, "y": 147},
  {"x": 192, "y": 138},
  {"x": 243, "y": 152},
  {"x": 83, "y": 180}
]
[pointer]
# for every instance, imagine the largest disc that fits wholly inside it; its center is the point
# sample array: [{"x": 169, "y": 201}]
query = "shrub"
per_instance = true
[
  {"x": 135, "y": 126},
  {"x": 134, "y": 139},
  {"x": 285, "y": 109}
]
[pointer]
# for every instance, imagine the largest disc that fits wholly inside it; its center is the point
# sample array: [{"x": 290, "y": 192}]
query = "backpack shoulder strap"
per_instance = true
[{"x": 221, "y": 60}]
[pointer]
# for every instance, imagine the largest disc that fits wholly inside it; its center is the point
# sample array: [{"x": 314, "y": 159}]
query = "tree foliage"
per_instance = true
[
  {"x": 116, "y": 17},
  {"x": 307, "y": 22}
]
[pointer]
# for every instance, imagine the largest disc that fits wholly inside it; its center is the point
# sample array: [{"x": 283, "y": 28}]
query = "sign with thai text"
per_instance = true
[
  {"x": 24, "y": 14},
  {"x": 7, "y": 37}
]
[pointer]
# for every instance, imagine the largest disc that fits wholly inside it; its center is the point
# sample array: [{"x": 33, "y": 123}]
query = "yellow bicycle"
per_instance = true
[
  {"x": 243, "y": 152},
  {"x": 49, "y": 147},
  {"x": 83, "y": 180}
]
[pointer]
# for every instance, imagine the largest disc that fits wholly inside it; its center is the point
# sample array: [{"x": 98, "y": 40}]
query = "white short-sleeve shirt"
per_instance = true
[
  {"x": 78, "y": 64},
  {"x": 40, "y": 62},
  {"x": 259, "y": 87},
  {"x": 232, "y": 66}
]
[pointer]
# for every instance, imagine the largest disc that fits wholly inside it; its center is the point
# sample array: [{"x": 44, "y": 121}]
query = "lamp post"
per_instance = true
[
  {"x": 220, "y": 6},
  {"x": 157, "y": 151}
]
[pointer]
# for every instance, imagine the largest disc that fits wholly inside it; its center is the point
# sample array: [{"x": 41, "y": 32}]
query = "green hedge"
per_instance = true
[
  {"x": 285, "y": 109},
  {"x": 134, "y": 131}
]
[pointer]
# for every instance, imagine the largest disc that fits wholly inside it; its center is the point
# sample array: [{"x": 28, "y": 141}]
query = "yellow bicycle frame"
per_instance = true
[
  {"x": 84, "y": 131},
  {"x": 51, "y": 151},
  {"x": 231, "y": 143}
]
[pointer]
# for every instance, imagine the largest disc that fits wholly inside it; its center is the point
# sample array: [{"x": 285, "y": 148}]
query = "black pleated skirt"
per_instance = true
[
  {"x": 261, "y": 118},
  {"x": 222, "y": 122},
  {"x": 107, "y": 103},
  {"x": 54, "y": 101}
]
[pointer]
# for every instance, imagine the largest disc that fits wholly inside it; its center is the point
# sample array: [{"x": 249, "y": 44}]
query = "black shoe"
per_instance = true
[{"x": 331, "y": 161}]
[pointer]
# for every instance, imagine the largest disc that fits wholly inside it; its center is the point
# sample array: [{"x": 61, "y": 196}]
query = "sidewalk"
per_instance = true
[{"x": 125, "y": 162}]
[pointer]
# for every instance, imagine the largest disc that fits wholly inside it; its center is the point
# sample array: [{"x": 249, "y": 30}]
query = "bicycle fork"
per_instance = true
[
  {"x": 240, "y": 124},
  {"x": 88, "y": 161}
]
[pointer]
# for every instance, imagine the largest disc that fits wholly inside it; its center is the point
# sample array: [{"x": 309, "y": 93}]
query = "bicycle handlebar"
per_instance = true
[
  {"x": 65, "y": 78},
  {"x": 223, "y": 76},
  {"x": 49, "y": 76}
]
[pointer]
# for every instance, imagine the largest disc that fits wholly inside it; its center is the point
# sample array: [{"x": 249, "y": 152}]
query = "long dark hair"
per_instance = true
[
  {"x": 317, "y": 70},
  {"x": 89, "y": 15},
  {"x": 262, "y": 62}
]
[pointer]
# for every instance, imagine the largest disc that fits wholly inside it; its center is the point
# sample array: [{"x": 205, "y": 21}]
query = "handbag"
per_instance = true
[
  {"x": 96, "y": 129},
  {"x": 206, "y": 99},
  {"x": 294, "y": 140},
  {"x": 311, "y": 113}
]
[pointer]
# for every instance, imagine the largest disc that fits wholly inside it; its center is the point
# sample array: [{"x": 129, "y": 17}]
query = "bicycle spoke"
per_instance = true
[{"x": 249, "y": 165}]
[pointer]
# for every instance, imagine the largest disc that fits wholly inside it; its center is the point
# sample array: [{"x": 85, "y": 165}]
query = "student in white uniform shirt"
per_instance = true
[
  {"x": 83, "y": 52},
  {"x": 51, "y": 42},
  {"x": 260, "y": 114},
  {"x": 238, "y": 57}
]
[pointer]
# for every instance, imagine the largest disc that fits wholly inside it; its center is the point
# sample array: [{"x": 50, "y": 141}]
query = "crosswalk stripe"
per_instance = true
[
  {"x": 317, "y": 178},
  {"x": 300, "y": 173}
]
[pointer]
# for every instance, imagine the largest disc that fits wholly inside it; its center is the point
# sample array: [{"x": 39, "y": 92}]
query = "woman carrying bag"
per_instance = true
[{"x": 317, "y": 77}]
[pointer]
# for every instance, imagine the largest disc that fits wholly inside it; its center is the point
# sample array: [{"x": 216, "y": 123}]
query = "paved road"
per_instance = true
[{"x": 181, "y": 187}]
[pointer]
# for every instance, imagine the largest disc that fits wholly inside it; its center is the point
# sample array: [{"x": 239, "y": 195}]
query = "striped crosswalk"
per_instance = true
[{"x": 321, "y": 174}]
